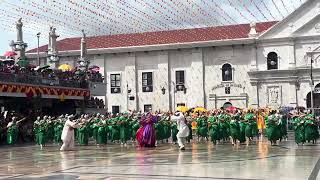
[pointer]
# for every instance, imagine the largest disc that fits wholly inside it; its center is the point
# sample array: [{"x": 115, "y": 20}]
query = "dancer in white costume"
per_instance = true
[
  {"x": 67, "y": 135},
  {"x": 182, "y": 127}
]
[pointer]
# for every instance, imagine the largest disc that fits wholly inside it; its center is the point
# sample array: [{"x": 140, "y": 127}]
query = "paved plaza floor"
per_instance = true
[{"x": 200, "y": 161}]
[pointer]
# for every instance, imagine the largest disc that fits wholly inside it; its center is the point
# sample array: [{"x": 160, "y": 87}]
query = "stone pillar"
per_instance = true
[
  {"x": 131, "y": 82},
  {"x": 253, "y": 64},
  {"x": 254, "y": 97},
  {"x": 292, "y": 94},
  {"x": 292, "y": 56},
  {"x": 197, "y": 79},
  {"x": 19, "y": 46},
  {"x": 163, "y": 68}
]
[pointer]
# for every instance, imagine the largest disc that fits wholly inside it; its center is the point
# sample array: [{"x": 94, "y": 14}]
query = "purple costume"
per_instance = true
[{"x": 149, "y": 133}]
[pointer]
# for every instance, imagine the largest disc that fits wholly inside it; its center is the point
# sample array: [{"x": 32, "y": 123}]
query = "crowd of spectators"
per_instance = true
[
  {"x": 48, "y": 76},
  {"x": 95, "y": 103}
]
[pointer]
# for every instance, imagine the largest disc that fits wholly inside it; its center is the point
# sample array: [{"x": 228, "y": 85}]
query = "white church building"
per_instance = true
[{"x": 247, "y": 65}]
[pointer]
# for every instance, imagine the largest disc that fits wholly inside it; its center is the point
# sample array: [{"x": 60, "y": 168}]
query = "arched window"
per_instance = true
[
  {"x": 226, "y": 72},
  {"x": 272, "y": 60}
]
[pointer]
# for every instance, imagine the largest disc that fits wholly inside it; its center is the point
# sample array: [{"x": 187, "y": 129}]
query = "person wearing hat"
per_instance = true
[{"x": 183, "y": 129}]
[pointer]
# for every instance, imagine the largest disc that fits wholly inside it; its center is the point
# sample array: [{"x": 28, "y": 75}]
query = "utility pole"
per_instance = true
[
  {"x": 38, "y": 54},
  {"x": 311, "y": 84}
]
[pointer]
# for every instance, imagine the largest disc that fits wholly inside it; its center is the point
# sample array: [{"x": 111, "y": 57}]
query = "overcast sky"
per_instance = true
[{"x": 99, "y": 17}]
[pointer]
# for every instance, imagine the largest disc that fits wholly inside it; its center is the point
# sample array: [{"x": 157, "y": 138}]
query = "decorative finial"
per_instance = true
[{"x": 253, "y": 31}]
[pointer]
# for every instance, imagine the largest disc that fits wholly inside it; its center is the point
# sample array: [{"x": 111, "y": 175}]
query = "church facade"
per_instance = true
[{"x": 256, "y": 65}]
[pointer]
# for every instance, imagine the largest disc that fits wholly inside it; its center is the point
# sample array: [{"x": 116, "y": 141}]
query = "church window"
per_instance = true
[
  {"x": 180, "y": 80},
  {"x": 147, "y": 108},
  {"x": 147, "y": 84},
  {"x": 272, "y": 61},
  {"x": 227, "y": 72},
  {"x": 115, "y": 82},
  {"x": 227, "y": 90},
  {"x": 115, "y": 109}
]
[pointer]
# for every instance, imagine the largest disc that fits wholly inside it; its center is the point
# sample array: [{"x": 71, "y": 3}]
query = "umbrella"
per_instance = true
[
  {"x": 65, "y": 67},
  {"x": 182, "y": 108},
  {"x": 231, "y": 109},
  {"x": 23, "y": 63},
  {"x": 94, "y": 68},
  {"x": 7, "y": 60},
  {"x": 10, "y": 54},
  {"x": 41, "y": 68},
  {"x": 199, "y": 109}
]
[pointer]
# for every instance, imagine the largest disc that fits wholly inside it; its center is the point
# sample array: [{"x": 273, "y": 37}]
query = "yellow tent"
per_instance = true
[
  {"x": 65, "y": 67},
  {"x": 182, "y": 108}
]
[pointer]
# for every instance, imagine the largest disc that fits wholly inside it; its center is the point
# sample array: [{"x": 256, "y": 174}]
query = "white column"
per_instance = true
[
  {"x": 254, "y": 97},
  {"x": 163, "y": 68},
  {"x": 292, "y": 94},
  {"x": 291, "y": 56},
  {"x": 197, "y": 79},
  {"x": 253, "y": 63},
  {"x": 131, "y": 80}
]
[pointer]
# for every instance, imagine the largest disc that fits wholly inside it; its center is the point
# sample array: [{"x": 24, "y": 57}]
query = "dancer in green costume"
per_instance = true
[
  {"x": 83, "y": 132},
  {"x": 299, "y": 129},
  {"x": 159, "y": 130},
  {"x": 272, "y": 127},
  {"x": 174, "y": 132},
  {"x": 311, "y": 128},
  {"x": 12, "y": 131},
  {"x": 224, "y": 126},
  {"x": 135, "y": 127},
  {"x": 50, "y": 129},
  {"x": 250, "y": 125},
  {"x": 115, "y": 130},
  {"x": 93, "y": 126},
  {"x": 36, "y": 129},
  {"x": 166, "y": 128},
  {"x": 189, "y": 121},
  {"x": 102, "y": 136},
  {"x": 42, "y": 132},
  {"x": 214, "y": 128},
  {"x": 202, "y": 130},
  {"x": 123, "y": 128},
  {"x": 58, "y": 127},
  {"x": 235, "y": 128}
]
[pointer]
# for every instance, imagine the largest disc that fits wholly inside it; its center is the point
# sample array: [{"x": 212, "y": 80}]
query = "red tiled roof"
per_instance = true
[{"x": 161, "y": 37}]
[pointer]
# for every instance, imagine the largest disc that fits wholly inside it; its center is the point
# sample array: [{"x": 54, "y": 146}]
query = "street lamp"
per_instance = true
[
  {"x": 38, "y": 55},
  {"x": 312, "y": 84},
  {"x": 163, "y": 90}
]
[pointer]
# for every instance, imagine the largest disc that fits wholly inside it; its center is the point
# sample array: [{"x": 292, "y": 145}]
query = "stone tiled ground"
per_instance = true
[{"x": 199, "y": 161}]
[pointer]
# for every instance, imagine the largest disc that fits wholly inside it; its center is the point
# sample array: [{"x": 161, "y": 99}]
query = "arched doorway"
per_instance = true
[
  {"x": 316, "y": 99},
  {"x": 226, "y": 105}
]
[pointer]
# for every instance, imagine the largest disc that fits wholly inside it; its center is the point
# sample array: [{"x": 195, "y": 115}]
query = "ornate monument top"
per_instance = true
[{"x": 83, "y": 33}]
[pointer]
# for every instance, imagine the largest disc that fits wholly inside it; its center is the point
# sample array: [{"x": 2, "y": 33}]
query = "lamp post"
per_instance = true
[
  {"x": 127, "y": 96},
  {"x": 38, "y": 55},
  {"x": 311, "y": 84}
]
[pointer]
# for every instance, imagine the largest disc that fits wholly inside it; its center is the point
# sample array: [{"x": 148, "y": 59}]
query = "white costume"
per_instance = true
[
  {"x": 67, "y": 136},
  {"x": 182, "y": 127}
]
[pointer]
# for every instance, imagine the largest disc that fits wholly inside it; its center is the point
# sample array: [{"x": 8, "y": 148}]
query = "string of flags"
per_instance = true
[{"x": 102, "y": 17}]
